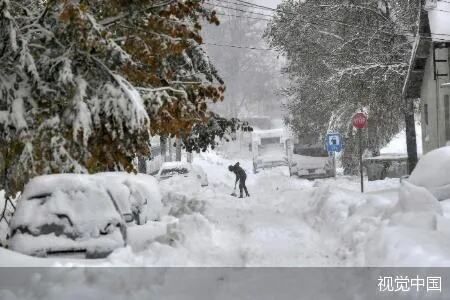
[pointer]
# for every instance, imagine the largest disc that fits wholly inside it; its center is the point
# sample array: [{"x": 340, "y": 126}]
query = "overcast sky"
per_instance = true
[{"x": 271, "y": 3}]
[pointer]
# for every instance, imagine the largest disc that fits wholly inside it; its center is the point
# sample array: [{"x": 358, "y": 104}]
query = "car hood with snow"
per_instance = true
[{"x": 66, "y": 213}]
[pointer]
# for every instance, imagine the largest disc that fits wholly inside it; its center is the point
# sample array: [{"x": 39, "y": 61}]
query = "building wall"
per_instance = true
[{"x": 436, "y": 102}]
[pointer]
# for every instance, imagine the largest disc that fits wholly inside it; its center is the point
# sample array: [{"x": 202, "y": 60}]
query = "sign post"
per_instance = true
[
  {"x": 334, "y": 144},
  {"x": 360, "y": 122}
]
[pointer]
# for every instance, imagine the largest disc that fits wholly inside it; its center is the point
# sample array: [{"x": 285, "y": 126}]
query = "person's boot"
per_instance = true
[{"x": 240, "y": 196}]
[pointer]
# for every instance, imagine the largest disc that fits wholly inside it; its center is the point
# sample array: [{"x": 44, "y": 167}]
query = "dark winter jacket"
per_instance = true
[{"x": 240, "y": 173}]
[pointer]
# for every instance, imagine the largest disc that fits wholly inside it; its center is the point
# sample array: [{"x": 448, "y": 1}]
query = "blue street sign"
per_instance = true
[{"x": 334, "y": 142}]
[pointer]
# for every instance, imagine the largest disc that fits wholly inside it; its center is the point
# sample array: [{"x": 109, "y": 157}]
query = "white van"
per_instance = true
[
  {"x": 311, "y": 162},
  {"x": 270, "y": 148}
]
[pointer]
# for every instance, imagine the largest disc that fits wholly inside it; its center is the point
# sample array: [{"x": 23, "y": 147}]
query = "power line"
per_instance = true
[
  {"x": 242, "y": 4},
  {"x": 405, "y": 33},
  {"x": 242, "y": 16},
  {"x": 271, "y": 49},
  {"x": 237, "y": 9},
  {"x": 257, "y": 5},
  {"x": 239, "y": 47},
  {"x": 441, "y": 10}
]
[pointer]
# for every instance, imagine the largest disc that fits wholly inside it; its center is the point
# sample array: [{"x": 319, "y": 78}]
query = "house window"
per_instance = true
[
  {"x": 425, "y": 112},
  {"x": 447, "y": 117}
]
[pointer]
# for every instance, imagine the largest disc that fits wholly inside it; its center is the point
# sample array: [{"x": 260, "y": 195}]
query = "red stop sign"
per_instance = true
[{"x": 360, "y": 120}]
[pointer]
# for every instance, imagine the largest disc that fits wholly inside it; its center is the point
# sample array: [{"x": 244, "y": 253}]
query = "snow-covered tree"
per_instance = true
[
  {"x": 206, "y": 135},
  {"x": 253, "y": 76},
  {"x": 344, "y": 56},
  {"x": 83, "y": 84}
]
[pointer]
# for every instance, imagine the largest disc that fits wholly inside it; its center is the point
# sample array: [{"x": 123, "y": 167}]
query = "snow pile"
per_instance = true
[
  {"x": 373, "y": 229},
  {"x": 433, "y": 173},
  {"x": 348, "y": 216}
]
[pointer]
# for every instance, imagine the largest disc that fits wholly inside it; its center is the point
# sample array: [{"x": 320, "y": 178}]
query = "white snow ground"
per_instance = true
[{"x": 286, "y": 222}]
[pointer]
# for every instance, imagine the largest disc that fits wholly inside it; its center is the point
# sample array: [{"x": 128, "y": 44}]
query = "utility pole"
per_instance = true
[{"x": 411, "y": 143}]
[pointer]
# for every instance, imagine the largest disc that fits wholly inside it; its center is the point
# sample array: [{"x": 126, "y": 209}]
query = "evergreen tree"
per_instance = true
[{"x": 85, "y": 83}]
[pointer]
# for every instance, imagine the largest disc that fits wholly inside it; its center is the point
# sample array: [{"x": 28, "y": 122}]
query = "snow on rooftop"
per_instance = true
[{"x": 440, "y": 21}]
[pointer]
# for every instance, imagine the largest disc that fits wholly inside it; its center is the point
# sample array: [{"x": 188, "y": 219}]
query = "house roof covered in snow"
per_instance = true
[
  {"x": 434, "y": 27},
  {"x": 419, "y": 55}
]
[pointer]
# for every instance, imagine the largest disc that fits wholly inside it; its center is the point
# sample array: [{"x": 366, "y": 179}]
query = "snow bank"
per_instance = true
[
  {"x": 379, "y": 230},
  {"x": 433, "y": 173}
]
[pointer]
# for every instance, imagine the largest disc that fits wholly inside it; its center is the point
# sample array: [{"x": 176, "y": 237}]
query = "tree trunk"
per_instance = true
[
  {"x": 178, "y": 150},
  {"x": 163, "y": 145},
  {"x": 169, "y": 141},
  {"x": 142, "y": 167},
  {"x": 372, "y": 131},
  {"x": 411, "y": 143},
  {"x": 190, "y": 157}
]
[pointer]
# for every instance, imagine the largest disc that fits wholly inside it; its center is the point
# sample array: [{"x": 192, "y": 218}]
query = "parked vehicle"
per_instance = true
[
  {"x": 270, "y": 149},
  {"x": 67, "y": 214},
  {"x": 185, "y": 169},
  {"x": 311, "y": 162},
  {"x": 137, "y": 195}
]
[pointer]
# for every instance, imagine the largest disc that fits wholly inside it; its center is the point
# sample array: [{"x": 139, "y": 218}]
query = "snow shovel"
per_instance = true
[{"x": 234, "y": 191}]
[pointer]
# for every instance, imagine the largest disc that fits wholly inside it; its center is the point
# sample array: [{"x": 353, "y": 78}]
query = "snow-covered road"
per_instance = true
[
  {"x": 287, "y": 221},
  {"x": 270, "y": 228}
]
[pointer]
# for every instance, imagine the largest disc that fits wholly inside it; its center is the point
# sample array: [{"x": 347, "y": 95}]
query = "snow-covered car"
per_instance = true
[
  {"x": 433, "y": 173},
  {"x": 311, "y": 162},
  {"x": 270, "y": 149},
  {"x": 138, "y": 196},
  {"x": 184, "y": 169},
  {"x": 67, "y": 214}
]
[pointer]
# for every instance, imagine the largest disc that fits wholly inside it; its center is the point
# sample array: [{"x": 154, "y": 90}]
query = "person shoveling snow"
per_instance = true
[{"x": 241, "y": 176}]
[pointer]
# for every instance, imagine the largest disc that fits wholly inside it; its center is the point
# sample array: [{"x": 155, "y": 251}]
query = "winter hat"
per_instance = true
[{"x": 231, "y": 168}]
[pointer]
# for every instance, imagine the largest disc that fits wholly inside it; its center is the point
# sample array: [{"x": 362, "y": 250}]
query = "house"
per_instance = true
[{"x": 428, "y": 77}]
